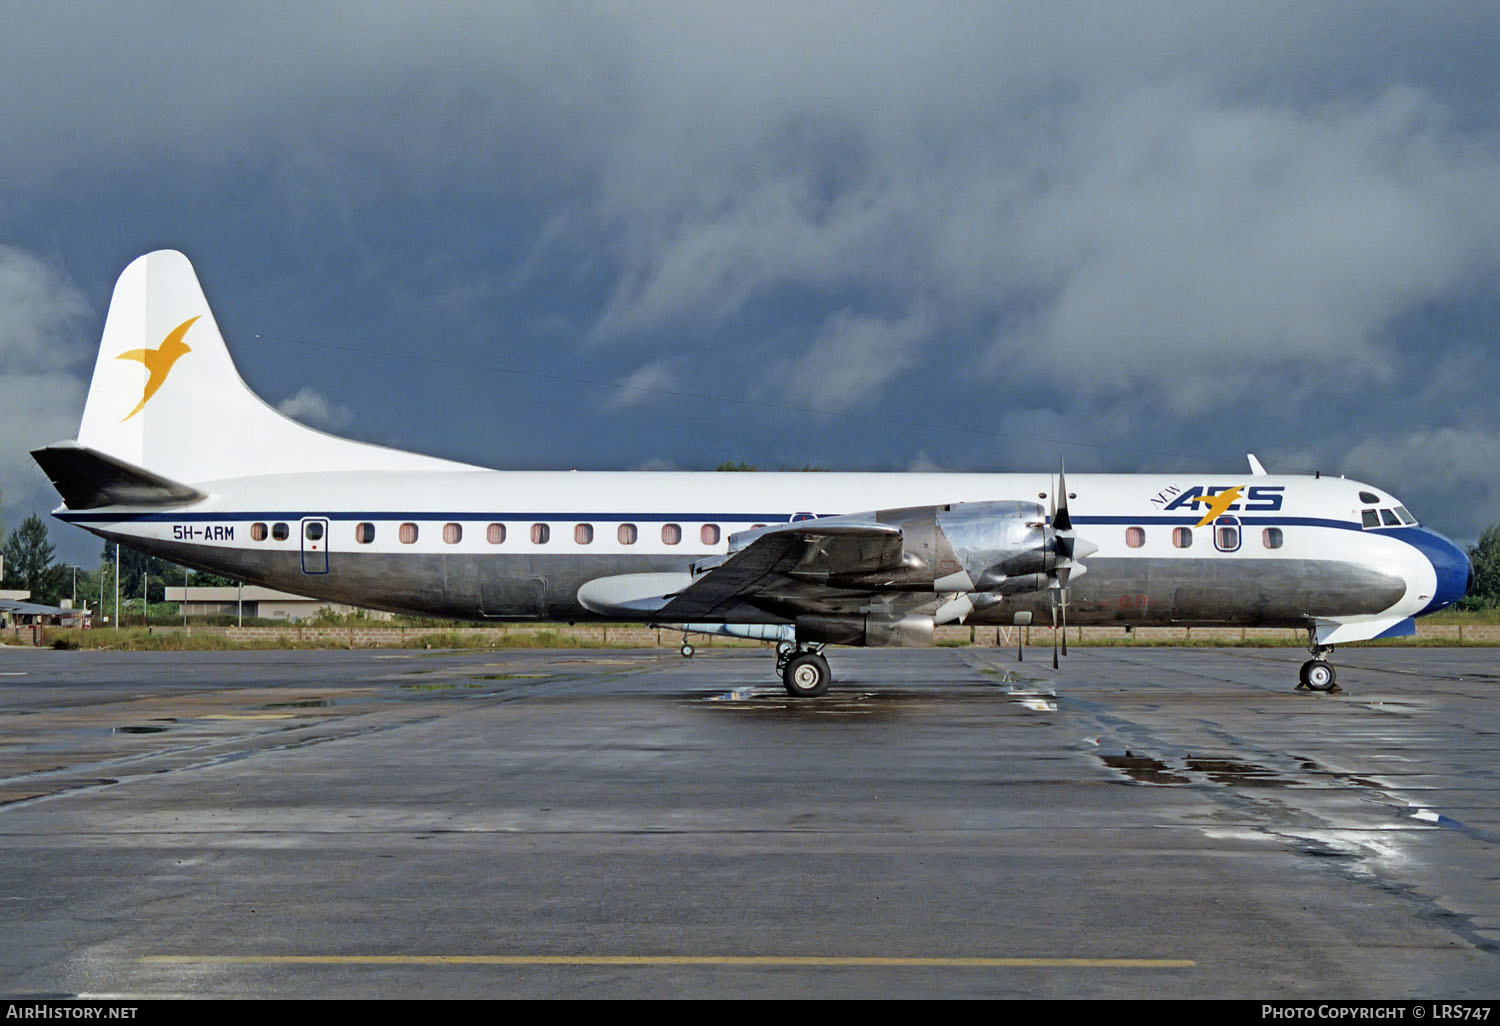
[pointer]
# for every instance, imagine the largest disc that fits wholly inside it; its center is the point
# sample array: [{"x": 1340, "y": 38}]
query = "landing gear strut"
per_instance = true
[
  {"x": 803, "y": 670},
  {"x": 1317, "y": 673}
]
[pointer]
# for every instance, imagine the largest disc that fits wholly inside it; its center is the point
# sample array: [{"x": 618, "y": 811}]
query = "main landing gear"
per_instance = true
[
  {"x": 1317, "y": 673},
  {"x": 803, "y": 669}
]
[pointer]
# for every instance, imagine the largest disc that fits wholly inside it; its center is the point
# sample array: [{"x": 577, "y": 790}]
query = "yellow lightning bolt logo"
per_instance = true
[
  {"x": 1217, "y": 504},
  {"x": 158, "y": 362}
]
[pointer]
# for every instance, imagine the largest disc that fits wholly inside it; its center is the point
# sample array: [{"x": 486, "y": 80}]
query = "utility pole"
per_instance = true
[{"x": 117, "y": 585}]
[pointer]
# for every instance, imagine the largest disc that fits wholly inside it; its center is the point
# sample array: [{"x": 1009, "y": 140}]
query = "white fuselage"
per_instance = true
[{"x": 464, "y": 533}]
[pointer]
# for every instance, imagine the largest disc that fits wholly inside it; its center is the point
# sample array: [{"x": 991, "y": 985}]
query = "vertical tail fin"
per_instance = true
[{"x": 165, "y": 395}]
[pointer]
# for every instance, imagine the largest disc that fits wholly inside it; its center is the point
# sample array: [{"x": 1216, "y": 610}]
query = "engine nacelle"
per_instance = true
[{"x": 1003, "y": 547}]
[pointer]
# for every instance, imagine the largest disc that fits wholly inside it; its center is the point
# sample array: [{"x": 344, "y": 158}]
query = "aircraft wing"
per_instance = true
[{"x": 792, "y": 568}]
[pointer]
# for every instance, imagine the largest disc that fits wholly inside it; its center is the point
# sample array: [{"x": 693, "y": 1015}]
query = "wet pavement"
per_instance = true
[{"x": 945, "y": 822}]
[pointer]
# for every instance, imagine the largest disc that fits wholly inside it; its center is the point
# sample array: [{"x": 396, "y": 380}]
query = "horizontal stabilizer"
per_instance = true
[{"x": 87, "y": 479}]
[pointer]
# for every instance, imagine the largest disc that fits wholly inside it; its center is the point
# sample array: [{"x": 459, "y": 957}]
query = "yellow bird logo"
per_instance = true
[
  {"x": 1217, "y": 504},
  {"x": 159, "y": 361}
]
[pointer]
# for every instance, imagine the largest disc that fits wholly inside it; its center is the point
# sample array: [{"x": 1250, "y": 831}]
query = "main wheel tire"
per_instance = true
[
  {"x": 687, "y": 650},
  {"x": 1318, "y": 675},
  {"x": 806, "y": 675}
]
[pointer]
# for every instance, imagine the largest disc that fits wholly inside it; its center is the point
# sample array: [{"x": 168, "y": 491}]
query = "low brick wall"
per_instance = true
[{"x": 636, "y": 636}]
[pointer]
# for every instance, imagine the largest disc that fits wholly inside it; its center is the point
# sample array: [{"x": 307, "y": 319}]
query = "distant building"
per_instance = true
[
  {"x": 253, "y": 600},
  {"x": 18, "y": 613}
]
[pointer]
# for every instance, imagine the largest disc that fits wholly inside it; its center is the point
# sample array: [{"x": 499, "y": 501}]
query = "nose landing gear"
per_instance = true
[{"x": 1317, "y": 673}]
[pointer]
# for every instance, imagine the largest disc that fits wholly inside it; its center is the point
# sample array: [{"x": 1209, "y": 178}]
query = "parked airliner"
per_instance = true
[{"x": 175, "y": 456}]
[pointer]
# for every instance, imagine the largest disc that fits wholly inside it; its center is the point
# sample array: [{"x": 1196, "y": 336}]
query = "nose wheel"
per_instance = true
[{"x": 1318, "y": 675}]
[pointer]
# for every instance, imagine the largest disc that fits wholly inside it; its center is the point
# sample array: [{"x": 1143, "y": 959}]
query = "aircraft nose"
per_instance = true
[{"x": 1449, "y": 563}]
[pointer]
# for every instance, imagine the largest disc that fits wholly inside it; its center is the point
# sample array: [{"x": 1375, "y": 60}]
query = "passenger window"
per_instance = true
[
  {"x": 1370, "y": 518},
  {"x": 627, "y": 534},
  {"x": 313, "y": 531},
  {"x": 258, "y": 532},
  {"x": 279, "y": 532},
  {"x": 1389, "y": 518},
  {"x": 495, "y": 534},
  {"x": 1135, "y": 537},
  {"x": 540, "y": 534},
  {"x": 671, "y": 533},
  {"x": 709, "y": 534},
  {"x": 408, "y": 533},
  {"x": 453, "y": 533},
  {"x": 1271, "y": 538},
  {"x": 364, "y": 533},
  {"x": 583, "y": 534},
  {"x": 1182, "y": 537}
]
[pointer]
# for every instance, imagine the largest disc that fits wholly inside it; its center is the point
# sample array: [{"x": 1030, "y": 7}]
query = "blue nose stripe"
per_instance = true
[{"x": 1448, "y": 561}]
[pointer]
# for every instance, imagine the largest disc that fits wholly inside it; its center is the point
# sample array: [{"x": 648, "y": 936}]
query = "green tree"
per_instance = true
[
  {"x": 28, "y": 558},
  {"x": 1484, "y": 556}
]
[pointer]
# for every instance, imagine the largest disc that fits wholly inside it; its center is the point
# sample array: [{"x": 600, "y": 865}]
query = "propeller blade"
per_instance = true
[
  {"x": 1061, "y": 521},
  {"x": 1064, "y": 621},
  {"x": 1054, "y": 629}
]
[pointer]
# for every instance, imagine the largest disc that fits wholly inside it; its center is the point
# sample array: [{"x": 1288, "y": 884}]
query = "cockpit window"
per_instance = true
[
  {"x": 1368, "y": 497},
  {"x": 1386, "y": 516}
]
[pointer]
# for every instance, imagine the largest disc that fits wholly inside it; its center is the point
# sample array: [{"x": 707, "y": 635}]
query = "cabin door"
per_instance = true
[{"x": 315, "y": 545}]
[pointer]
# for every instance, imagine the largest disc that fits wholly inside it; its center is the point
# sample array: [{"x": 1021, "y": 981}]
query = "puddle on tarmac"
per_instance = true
[
  {"x": 771, "y": 698},
  {"x": 1143, "y": 769},
  {"x": 140, "y": 730},
  {"x": 1233, "y": 772},
  {"x": 1230, "y": 771}
]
